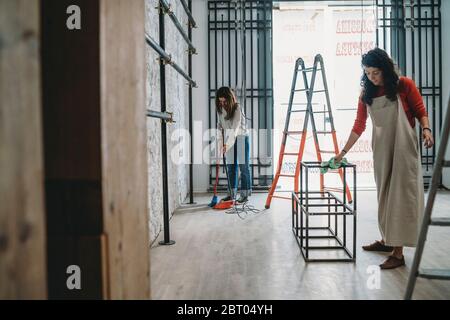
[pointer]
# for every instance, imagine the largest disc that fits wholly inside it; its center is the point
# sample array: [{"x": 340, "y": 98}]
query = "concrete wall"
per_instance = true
[{"x": 177, "y": 102}]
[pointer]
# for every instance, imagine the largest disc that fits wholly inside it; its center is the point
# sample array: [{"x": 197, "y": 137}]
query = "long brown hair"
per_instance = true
[
  {"x": 231, "y": 102},
  {"x": 378, "y": 58}
]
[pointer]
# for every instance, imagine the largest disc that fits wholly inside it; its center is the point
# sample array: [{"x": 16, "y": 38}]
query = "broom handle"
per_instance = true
[
  {"x": 217, "y": 178},
  {"x": 225, "y": 164}
]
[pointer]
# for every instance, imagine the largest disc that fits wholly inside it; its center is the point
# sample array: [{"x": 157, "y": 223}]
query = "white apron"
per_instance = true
[{"x": 398, "y": 173}]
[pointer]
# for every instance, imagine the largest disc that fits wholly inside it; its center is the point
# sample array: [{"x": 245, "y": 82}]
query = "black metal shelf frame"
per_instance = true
[{"x": 305, "y": 205}]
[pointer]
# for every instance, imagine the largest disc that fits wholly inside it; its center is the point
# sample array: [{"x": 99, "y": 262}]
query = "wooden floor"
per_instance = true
[{"x": 220, "y": 256}]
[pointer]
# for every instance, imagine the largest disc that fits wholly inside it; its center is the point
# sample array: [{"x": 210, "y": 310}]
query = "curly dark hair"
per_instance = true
[
  {"x": 378, "y": 58},
  {"x": 231, "y": 101}
]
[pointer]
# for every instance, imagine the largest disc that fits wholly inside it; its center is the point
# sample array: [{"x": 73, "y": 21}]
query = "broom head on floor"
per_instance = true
[{"x": 214, "y": 201}]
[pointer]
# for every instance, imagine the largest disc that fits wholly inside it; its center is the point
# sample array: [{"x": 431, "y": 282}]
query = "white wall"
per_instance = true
[{"x": 200, "y": 94}]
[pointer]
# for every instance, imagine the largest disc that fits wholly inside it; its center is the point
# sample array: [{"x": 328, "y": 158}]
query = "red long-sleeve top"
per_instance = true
[{"x": 411, "y": 99}]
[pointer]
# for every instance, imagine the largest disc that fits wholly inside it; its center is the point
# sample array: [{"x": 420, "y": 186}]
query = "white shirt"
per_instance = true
[{"x": 237, "y": 126}]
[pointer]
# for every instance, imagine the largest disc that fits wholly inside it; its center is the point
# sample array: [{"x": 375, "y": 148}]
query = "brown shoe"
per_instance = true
[
  {"x": 393, "y": 262},
  {"x": 378, "y": 246}
]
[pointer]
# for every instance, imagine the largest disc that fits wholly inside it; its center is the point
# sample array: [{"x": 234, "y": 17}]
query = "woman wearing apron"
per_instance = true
[{"x": 393, "y": 103}]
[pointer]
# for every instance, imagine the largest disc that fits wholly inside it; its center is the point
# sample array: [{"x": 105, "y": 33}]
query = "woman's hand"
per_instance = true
[
  {"x": 428, "y": 141},
  {"x": 339, "y": 157}
]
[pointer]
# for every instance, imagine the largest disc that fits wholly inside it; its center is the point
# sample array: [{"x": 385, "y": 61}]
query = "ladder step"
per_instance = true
[
  {"x": 293, "y": 132},
  {"x": 308, "y": 69},
  {"x": 290, "y": 154},
  {"x": 440, "y": 274},
  {"x": 326, "y": 151},
  {"x": 298, "y": 90},
  {"x": 324, "y": 132},
  {"x": 316, "y": 91},
  {"x": 299, "y": 110},
  {"x": 444, "y": 222},
  {"x": 287, "y": 175},
  {"x": 446, "y": 164},
  {"x": 281, "y": 197},
  {"x": 321, "y": 111}
]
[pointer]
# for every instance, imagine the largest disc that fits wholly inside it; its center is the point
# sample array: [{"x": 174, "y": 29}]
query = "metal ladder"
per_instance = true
[
  {"x": 309, "y": 114},
  {"x": 439, "y": 274}
]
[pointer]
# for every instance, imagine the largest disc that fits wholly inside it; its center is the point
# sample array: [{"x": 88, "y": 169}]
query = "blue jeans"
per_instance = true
[{"x": 243, "y": 143}]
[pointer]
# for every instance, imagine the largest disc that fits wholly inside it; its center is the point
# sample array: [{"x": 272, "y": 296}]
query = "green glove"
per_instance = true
[{"x": 331, "y": 164}]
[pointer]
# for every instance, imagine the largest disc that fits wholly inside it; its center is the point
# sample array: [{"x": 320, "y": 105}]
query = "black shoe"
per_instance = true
[
  {"x": 378, "y": 246},
  {"x": 242, "y": 199},
  {"x": 228, "y": 198}
]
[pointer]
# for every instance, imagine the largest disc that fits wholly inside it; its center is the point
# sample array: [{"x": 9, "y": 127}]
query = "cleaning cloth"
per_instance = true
[{"x": 332, "y": 164}]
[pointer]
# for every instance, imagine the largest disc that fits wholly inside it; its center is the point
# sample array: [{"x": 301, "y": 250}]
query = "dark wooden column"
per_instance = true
[{"x": 95, "y": 148}]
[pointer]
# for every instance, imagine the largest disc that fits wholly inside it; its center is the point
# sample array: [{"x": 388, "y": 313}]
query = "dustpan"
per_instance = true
[{"x": 224, "y": 205}]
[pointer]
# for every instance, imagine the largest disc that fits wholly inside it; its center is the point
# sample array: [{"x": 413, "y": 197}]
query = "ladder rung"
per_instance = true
[
  {"x": 445, "y": 222},
  {"x": 446, "y": 164},
  {"x": 308, "y": 69},
  {"x": 293, "y": 132},
  {"x": 290, "y": 154},
  {"x": 321, "y": 111},
  {"x": 298, "y": 90},
  {"x": 299, "y": 110},
  {"x": 324, "y": 132},
  {"x": 326, "y": 151},
  {"x": 287, "y": 175},
  {"x": 316, "y": 91},
  {"x": 440, "y": 274},
  {"x": 281, "y": 197}
]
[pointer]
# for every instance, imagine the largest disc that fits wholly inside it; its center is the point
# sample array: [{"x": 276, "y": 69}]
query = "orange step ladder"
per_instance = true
[{"x": 309, "y": 91}]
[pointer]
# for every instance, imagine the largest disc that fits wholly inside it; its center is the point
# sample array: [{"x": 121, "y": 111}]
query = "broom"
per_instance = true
[{"x": 225, "y": 204}]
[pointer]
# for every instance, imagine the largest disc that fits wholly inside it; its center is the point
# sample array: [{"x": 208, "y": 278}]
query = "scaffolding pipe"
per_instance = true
[
  {"x": 188, "y": 9},
  {"x": 165, "y": 173},
  {"x": 165, "y": 5},
  {"x": 168, "y": 59},
  {"x": 191, "y": 170},
  {"x": 166, "y": 116}
]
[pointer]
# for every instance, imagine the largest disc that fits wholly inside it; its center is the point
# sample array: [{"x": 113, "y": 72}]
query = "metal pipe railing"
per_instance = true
[
  {"x": 166, "y": 9},
  {"x": 189, "y": 14},
  {"x": 166, "y": 116},
  {"x": 164, "y": 166},
  {"x": 168, "y": 59},
  {"x": 191, "y": 170}
]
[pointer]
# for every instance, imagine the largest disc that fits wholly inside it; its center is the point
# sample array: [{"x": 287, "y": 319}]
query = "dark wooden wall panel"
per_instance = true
[
  {"x": 95, "y": 148},
  {"x": 71, "y": 110}
]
